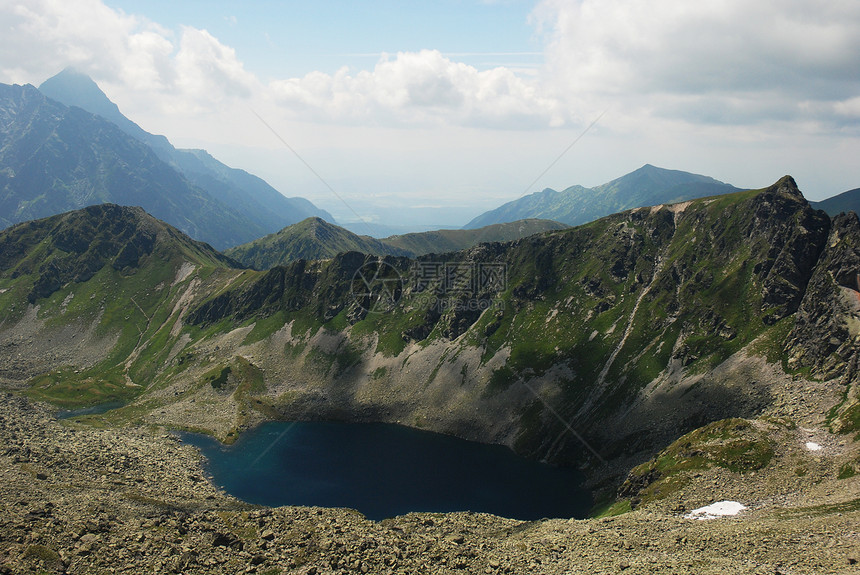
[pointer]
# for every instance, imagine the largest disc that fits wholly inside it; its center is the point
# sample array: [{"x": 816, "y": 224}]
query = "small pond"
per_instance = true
[{"x": 92, "y": 410}]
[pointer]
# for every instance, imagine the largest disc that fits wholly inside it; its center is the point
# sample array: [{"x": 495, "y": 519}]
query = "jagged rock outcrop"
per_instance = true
[
  {"x": 827, "y": 326},
  {"x": 794, "y": 250}
]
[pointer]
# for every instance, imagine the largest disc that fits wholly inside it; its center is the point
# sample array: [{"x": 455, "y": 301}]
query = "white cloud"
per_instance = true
[
  {"x": 715, "y": 62},
  {"x": 207, "y": 69},
  {"x": 41, "y": 36},
  {"x": 729, "y": 88},
  {"x": 727, "y": 61},
  {"x": 420, "y": 87},
  {"x": 128, "y": 52},
  {"x": 191, "y": 71}
]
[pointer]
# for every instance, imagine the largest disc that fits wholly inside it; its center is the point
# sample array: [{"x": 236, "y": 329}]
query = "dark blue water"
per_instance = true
[{"x": 387, "y": 470}]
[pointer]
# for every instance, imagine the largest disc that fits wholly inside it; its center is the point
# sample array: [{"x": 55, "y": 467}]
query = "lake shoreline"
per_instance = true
[
  {"x": 349, "y": 464},
  {"x": 79, "y": 499}
]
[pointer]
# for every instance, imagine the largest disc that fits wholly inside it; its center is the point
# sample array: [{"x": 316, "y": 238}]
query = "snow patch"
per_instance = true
[
  {"x": 812, "y": 446},
  {"x": 715, "y": 510}
]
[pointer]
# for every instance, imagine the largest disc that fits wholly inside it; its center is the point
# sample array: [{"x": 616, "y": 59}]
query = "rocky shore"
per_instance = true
[{"x": 78, "y": 499}]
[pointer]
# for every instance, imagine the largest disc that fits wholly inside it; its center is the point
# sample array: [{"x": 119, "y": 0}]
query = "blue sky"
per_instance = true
[
  {"x": 280, "y": 39},
  {"x": 431, "y": 113}
]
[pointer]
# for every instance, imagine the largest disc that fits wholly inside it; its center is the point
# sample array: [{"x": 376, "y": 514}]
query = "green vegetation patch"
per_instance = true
[
  {"x": 70, "y": 388},
  {"x": 846, "y": 471},
  {"x": 390, "y": 328},
  {"x": 250, "y": 376},
  {"x": 501, "y": 380},
  {"x": 849, "y": 420},
  {"x": 733, "y": 444},
  {"x": 47, "y": 555},
  {"x": 609, "y": 507},
  {"x": 771, "y": 343},
  {"x": 218, "y": 376},
  {"x": 265, "y": 327}
]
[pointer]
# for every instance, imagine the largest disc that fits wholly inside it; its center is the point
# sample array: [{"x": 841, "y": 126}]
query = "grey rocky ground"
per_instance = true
[{"x": 78, "y": 499}]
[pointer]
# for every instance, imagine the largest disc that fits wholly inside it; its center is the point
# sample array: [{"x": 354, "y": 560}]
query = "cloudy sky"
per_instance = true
[{"x": 436, "y": 111}]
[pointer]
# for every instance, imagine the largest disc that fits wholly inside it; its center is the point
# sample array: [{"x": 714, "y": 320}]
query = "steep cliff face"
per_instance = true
[
  {"x": 825, "y": 340},
  {"x": 578, "y": 328},
  {"x": 825, "y": 334}
]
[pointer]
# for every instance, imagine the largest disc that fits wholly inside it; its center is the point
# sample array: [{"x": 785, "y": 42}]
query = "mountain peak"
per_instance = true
[
  {"x": 646, "y": 186},
  {"x": 787, "y": 182},
  {"x": 78, "y": 244},
  {"x": 74, "y": 88},
  {"x": 788, "y": 187}
]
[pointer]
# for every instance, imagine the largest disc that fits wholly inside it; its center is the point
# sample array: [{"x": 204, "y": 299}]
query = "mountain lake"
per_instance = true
[
  {"x": 385, "y": 470},
  {"x": 91, "y": 410}
]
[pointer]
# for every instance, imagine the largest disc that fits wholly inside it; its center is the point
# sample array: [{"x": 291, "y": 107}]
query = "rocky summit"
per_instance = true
[{"x": 682, "y": 355}]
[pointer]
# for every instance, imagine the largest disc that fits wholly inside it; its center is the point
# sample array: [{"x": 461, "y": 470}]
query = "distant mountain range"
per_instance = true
[
  {"x": 647, "y": 186},
  {"x": 315, "y": 239},
  {"x": 75, "y": 148},
  {"x": 845, "y": 202}
]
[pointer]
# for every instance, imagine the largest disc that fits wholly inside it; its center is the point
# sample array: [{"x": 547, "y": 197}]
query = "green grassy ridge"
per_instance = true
[
  {"x": 733, "y": 444},
  {"x": 74, "y": 246},
  {"x": 700, "y": 277},
  {"x": 315, "y": 239},
  {"x": 310, "y": 239},
  {"x": 131, "y": 299},
  {"x": 570, "y": 269}
]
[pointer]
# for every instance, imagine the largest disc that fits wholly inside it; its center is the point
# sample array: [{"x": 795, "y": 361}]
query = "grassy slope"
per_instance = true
[
  {"x": 310, "y": 239},
  {"x": 315, "y": 239},
  {"x": 112, "y": 266}
]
